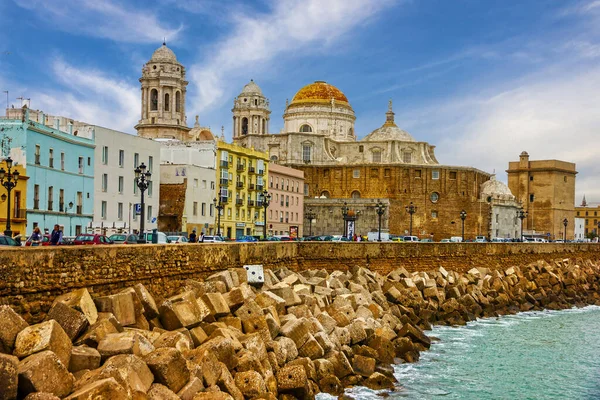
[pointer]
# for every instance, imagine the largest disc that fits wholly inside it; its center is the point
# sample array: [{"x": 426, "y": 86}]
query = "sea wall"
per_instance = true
[{"x": 31, "y": 278}]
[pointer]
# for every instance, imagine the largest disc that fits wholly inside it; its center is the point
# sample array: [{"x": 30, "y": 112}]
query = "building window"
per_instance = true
[
  {"x": 203, "y": 209},
  {"x": 62, "y": 161},
  {"x": 195, "y": 183},
  {"x": 418, "y": 173},
  {"x": 434, "y": 214},
  {"x": 287, "y": 184},
  {"x": 150, "y": 188},
  {"x": 407, "y": 157},
  {"x": 50, "y": 197},
  {"x": 120, "y": 211},
  {"x": 51, "y": 158},
  {"x": 80, "y": 165},
  {"x": 37, "y": 154},
  {"x": 195, "y": 209},
  {"x": 305, "y": 128},
  {"x": 374, "y": 173},
  {"x": 203, "y": 183},
  {"x": 434, "y": 197},
  {"x": 104, "y": 182},
  {"x": 530, "y": 177},
  {"x": 532, "y": 198},
  {"x": 306, "y": 189},
  {"x": 104, "y": 210},
  {"x": 136, "y": 160},
  {"x": 177, "y": 101},
  {"x": 212, "y": 185},
  {"x": 211, "y": 209},
  {"x": 105, "y": 155},
  {"x": 36, "y": 197},
  {"x": 61, "y": 200},
  {"x": 453, "y": 175},
  {"x": 387, "y": 173},
  {"x": 435, "y": 174},
  {"x": 79, "y": 209},
  {"x": 89, "y": 161},
  {"x": 167, "y": 101},
  {"x": 356, "y": 173},
  {"x": 361, "y": 148},
  {"x": 149, "y": 216},
  {"x": 377, "y": 156},
  {"x": 153, "y": 100},
  {"x": 306, "y": 153},
  {"x": 355, "y": 194},
  {"x": 121, "y": 158},
  {"x": 121, "y": 184},
  {"x": 135, "y": 187},
  {"x": 150, "y": 163}
]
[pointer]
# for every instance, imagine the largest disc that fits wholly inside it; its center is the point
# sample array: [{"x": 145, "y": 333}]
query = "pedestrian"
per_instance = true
[
  {"x": 201, "y": 237},
  {"x": 36, "y": 237},
  {"x": 359, "y": 238},
  {"x": 55, "y": 235},
  {"x": 193, "y": 237}
]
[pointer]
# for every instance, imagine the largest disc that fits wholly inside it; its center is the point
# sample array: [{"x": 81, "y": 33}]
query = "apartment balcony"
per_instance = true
[
  {"x": 239, "y": 202},
  {"x": 224, "y": 199},
  {"x": 36, "y": 204},
  {"x": 287, "y": 204},
  {"x": 240, "y": 167},
  {"x": 251, "y": 170},
  {"x": 252, "y": 187},
  {"x": 261, "y": 172},
  {"x": 259, "y": 203},
  {"x": 239, "y": 185},
  {"x": 250, "y": 203},
  {"x": 20, "y": 214},
  {"x": 224, "y": 182},
  {"x": 259, "y": 188},
  {"x": 79, "y": 210},
  {"x": 224, "y": 164}
]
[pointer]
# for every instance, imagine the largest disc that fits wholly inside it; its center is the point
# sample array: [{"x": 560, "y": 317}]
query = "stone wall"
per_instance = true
[{"x": 31, "y": 278}]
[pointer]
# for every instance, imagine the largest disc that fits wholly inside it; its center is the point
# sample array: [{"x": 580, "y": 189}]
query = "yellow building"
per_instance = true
[
  {"x": 591, "y": 214},
  {"x": 242, "y": 177},
  {"x": 18, "y": 203}
]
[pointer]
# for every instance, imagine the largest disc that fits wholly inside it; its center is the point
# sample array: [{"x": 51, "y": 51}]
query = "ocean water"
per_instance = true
[{"x": 533, "y": 355}]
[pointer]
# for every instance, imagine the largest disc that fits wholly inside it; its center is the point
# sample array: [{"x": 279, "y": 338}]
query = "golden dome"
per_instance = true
[{"x": 319, "y": 92}]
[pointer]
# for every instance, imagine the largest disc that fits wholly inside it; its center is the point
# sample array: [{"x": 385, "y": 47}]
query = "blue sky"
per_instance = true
[{"x": 481, "y": 80}]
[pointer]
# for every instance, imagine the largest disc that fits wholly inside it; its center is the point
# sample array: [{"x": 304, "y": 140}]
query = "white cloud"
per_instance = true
[
  {"x": 257, "y": 39},
  {"x": 91, "y": 97},
  {"x": 104, "y": 18}
]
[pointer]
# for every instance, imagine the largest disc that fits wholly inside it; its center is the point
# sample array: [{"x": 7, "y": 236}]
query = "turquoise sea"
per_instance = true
[{"x": 533, "y": 355}]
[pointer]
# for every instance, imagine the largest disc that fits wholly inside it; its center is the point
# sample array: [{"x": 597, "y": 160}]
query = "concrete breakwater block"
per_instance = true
[{"x": 297, "y": 334}]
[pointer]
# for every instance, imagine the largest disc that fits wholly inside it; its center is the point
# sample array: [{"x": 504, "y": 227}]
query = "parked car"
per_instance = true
[
  {"x": 410, "y": 239},
  {"x": 246, "y": 239},
  {"x": 427, "y": 240},
  {"x": 178, "y": 239},
  {"x": 91, "y": 239},
  {"x": 45, "y": 241},
  {"x": 214, "y": 239},
  {"x": 124, "y": 238},
  {"x": 480, "y": 239},
  {"x": 272, "y": 239},
  {"x": 456, "y": 239},
  {"x": 8, "y": 241},
  {"x": 161, "y": 237},
  {"x": 340, "y": 238},
  {"x": 67, "y": 240},
  {"x": 445, "y": 241}
]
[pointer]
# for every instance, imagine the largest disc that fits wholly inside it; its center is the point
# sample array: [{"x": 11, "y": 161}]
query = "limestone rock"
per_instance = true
[
  {"x": 121, "y": 305},
  {"x": 101, "y": 389},
  {"x": 169, "y": 368},
  {"x": 293, "y": 380},
  {"x": 83, "y": 357},
  {"x": 378, "y": 381},
  {"x": 124, "y": 343},
  {"x": 161, "y": 392},
  {"x": 9, "y": 372},
  {"x": 193, "y": 387},
  {"x": 44, "y": 372},
  {"x": 81, "y": 301},
  {"x": 216, "y": 304},
  {"x": 11, "y": 324},
  {"x": 48, "y": 335},
  {"x": 150, "y": 307},
  {"x": 72, "y": 321},
  {"x": 251, "y": 384},
  {"x": 181, "y": 311}
]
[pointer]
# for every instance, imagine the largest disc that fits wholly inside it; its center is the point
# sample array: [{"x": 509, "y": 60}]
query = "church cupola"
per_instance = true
[
  {"x": 163, "y": 87},
  {"x": 251, "y": 112}
]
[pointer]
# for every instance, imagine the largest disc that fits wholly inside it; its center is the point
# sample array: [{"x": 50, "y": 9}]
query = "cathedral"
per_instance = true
[{"x": 319, "y": 138}]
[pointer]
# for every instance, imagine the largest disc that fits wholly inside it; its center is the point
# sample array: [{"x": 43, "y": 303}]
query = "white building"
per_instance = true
[
  {"x": 117, "y": 155},
  {"x": 188, "y": 175},
  {"x": 579, "y": 233}
]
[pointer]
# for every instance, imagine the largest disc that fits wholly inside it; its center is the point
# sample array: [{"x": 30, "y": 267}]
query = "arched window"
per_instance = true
[
  {"x": 376, "y": 156},
  {"x": 244, "y": 126},
  {"x": 305, "y": 128},
  {"x": 177, "y": 101},
  {"x": 325, "y": 194},
  {"x": 167, "y": 98},
  {"x": 264, "y": 126},
  {"x": 350, "y": 132},
  {"x": 154, "y": 100},
  {"x": 356, "y": 194},
  {"x": 274, "y": 158}
]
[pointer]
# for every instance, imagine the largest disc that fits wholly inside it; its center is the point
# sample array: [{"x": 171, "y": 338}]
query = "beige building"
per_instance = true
[
  {"x": 504, "y": 209},
  {"x": 286, "y": 210},
  {"x": 590, "y": 214},
  {"x": 546, "y": 189}
]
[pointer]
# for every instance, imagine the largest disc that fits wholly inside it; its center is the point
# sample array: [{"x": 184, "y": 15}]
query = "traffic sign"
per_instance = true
[{"x": 137, "y": 208}]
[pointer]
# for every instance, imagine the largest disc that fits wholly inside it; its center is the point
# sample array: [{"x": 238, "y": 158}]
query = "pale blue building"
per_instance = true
[{"x": 60, "y": 165}]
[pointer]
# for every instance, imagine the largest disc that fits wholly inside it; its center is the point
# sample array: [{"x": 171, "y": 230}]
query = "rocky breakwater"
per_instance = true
[{"x": 292, "y": 337}]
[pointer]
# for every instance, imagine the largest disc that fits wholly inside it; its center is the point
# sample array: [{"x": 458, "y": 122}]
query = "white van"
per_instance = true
[
  {"x": 410, "y": 239},
  {"x": 456, "y": 239},
  {"x": 373, "y": 236}
]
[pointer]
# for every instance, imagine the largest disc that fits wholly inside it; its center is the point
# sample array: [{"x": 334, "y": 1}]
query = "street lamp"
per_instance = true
[
  {"x": 411, "y": 209},
  {"x": 266, "y": 200},
  {"x": 310, "y": 215},
  {"x": 380, "y": 209},
  {"x": 345, "y": 215},
  {"x": 67, "y": 208},
  {"x": 219, "y": 207},
  {"x": 463, "y": 216},
  {"x": 9, "y": 181},
  {"x": 565, "y": 223},
  {"x": 522, "y": 215},
  {"x": 142, "y": 180}
]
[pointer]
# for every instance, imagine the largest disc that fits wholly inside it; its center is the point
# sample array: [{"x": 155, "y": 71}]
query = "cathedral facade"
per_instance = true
[{"x": 319, "y": 138}]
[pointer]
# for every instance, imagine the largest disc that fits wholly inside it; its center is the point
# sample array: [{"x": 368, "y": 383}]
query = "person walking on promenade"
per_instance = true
[
  {"x": 36, "y": 237},
  {"x": 55, "y": 236},
  {"x": 201, "y": 240},
  {"x": 193, "y": 237}
]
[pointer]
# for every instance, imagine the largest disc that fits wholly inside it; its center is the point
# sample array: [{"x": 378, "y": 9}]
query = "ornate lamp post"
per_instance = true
[
  {"x": 463, "y": 216},
  {"x": 219, "y": 207},
  {"x": 411, "y": 209},
  {"x": 310, "y": 215},
  {"x": 266, "y": 200},
  {"x": 9, "y": 181},
  {"x": 142, "y": 180},
  {"x": 522, "y": 215},
  {"x": 565, "y": 223},
  {"x": 67, "y": 208},
  {"x": 345, "y": 216},
  {"x": 380, "y": 209}
]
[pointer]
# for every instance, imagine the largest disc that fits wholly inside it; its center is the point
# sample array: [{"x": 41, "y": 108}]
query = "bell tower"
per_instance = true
[
  {"x": 251, "y": 115},
  {"x": 163, "y": 97}
]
